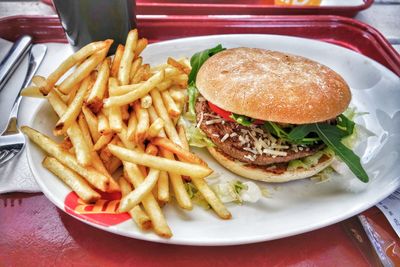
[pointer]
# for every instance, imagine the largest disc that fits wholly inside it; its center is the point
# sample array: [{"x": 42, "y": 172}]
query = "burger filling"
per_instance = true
[{"x": 250, "y": 144}]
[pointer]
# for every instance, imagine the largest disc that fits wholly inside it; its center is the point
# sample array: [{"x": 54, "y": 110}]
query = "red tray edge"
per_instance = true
[
  {"x": 214, "y": 9},
  {"x": 391, "y": 55}
]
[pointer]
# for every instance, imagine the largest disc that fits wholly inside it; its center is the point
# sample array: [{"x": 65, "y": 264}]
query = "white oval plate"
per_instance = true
[{"x": 294, "y": 207}]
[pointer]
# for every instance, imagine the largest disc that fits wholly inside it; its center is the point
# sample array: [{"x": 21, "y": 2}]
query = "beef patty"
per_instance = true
[{"x": 239, "y": 142}]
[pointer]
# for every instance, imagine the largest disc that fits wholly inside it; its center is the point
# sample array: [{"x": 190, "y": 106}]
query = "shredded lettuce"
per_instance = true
[
  {"x": 237, "y": 191},
  {"x": 197, "y": 137},
  {"x": 196, "y": 196}
]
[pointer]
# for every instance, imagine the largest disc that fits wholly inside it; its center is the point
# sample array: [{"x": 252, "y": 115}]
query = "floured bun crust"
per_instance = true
[{"x": 273, "y": 86}]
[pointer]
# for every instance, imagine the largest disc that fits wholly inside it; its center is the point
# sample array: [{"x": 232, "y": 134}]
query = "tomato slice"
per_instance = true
[
  {"x": 226, "y": 114},
  {"x": 223, "y": 113}
]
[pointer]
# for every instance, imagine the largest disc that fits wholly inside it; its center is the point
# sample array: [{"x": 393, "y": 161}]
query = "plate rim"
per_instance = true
[{"x": 141, "y": 235}]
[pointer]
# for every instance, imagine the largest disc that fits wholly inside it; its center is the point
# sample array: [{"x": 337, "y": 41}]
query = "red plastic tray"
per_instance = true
[
  {"x": 238, "y": 7},
  {"x": 249, "y": 7},
  {"x": 342, "y": 31},
  {"x": 35, "y": 233}
]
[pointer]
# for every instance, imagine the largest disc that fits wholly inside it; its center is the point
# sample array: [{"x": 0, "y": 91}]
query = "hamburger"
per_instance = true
[{"x": 270, "y": 116}]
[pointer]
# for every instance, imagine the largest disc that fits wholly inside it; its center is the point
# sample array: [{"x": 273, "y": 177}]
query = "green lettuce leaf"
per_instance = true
[
  {"x": 241, "y": 119},
  {"x": 197, "y": 60}
]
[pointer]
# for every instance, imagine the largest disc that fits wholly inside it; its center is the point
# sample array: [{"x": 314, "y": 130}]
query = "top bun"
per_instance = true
[{"x": 273, "y": 86}]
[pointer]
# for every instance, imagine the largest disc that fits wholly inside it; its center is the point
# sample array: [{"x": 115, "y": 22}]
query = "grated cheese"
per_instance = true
[
  {"x": 224, "y": 137},
  {"x": 201, "y": 120},
  {"x": 213, "y": 121}
]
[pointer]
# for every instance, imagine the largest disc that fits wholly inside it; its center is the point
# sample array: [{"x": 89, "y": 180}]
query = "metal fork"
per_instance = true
[{"x": 12, "y": 141}]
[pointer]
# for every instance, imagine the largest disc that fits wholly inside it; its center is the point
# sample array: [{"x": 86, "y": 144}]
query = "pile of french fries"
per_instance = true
[{"x": 119, "y": 113}]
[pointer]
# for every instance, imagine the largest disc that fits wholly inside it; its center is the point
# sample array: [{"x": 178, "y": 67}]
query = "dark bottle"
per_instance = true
[{"x": 85, "y": 21}]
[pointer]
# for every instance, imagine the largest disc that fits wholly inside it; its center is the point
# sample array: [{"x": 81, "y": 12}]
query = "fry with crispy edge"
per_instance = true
[
  {"x": 83, "y": 70},
  {"x": 132, "y": 125},
  {"x": 136, "y": 196},
  {"x": 135, "y": 67},
  {"x": 96, "y": 161},
  {"x": 72, "y": 179},
  {"x": 117, "y": 61},
  {"x": 143, "y": 122},
  {"x": 92, "y": 122},
  {"x": 204, "y": 189},
  {"x": 163, "y": 164},
  {"x": 132, "y": 96},
  {"x": 103, "y": 125},
  {"x": 178, "y": 65},
  {"x": 114, "y": 113},
  {"x": 173, "y": 110},
  {"x": 155, "y": 128},
  {"x": 73, "y": 110},
  {"x": 95, "y": 178},
  {"x": 81, "y": 148},
  {"x": 150, "y": 204},
  {"x": 162, "y": 112},
  {"x": 140, "y": 217},
  {"x": 127, "y": 57},
  {"x": 95, "y": 98},
  {"x": 104, "y": 140},
  {"x": 182, "y": 153},
  {"x": 72, "y": 60},
  {"x": 141, "y": 45}
]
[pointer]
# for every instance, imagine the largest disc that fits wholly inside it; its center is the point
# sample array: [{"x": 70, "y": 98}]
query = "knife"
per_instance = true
[{"x": 14, "y": 58}]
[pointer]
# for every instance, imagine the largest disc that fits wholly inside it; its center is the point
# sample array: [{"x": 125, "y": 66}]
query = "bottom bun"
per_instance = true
[{"x": 255, "y": 173}]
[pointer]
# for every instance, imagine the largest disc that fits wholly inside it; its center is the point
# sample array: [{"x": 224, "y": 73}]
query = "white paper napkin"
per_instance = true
[{"x": 16, "y": 176}]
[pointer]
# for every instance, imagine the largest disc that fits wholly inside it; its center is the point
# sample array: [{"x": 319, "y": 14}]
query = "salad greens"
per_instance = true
[{"x": 241, "y": 119}]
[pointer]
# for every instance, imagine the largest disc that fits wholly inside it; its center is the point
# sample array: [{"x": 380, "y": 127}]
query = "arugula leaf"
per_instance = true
[
  {"x": 193, "y": 93},
  {"x": 298, "y": 135},
  {"x": 331, "y": 136},
  {"x": 345, "y": 124},
  {"x": 274, "y": 129},
  {"x": 199, "y": 58},
  {"x": 242, "y": 119}
]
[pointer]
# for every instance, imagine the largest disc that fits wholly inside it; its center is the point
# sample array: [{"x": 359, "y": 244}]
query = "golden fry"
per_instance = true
[
  {"x": 117, "y": 61},
  {"x": 127, "y": 57},
  {"x": 73, "y": 110},
  {"x": 138, "y": 215},
  {"x": 150, "y": 205},
  {"x": 181, "y": 195},
  {"x": 137, "y": 63},
  {"x": 103, "y": 141},
  {"x": 178, "y": 65},
  {"x": 183, "y": 154},
  {"x": 172, "y": 109},
  {"x": 172, "y": 166},
  {"x": 72, "y": 60},
  {"x": 81, "y": 148},
  {"x": 83, "y": 71},
  {"x": 143, "y": 122},
  {"x": 72, "y": 179},
  {"x": 162, "y": 112},
  {"x": 132, "y": 125},
  {"x": 155, "y": 128},
  {"x": 163, "y": 187},
  {"x": 141, "y": 45},
  {"x": 141, "y": 91},
  {"x": 92, "y": 122},
  {"x": 95, "y": 178},
  {"x": 103, "y": 126},
  {"x": 136, "y": 196},
  {"x": 146, "y": 101},
  {"x": 95, "y": 98}
]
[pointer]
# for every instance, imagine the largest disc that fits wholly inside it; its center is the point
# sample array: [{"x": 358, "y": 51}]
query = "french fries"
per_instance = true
[
  {"x": 118, "y": 113},
  {"x": 127, "y": 57},
  {"x": 73, "y": 110},
  {"x": 135, "y": 197},
  {"x": 72, "y": 179},
  {"x": 159, "y": 163},
  {"x": 95, "y": 98},
  {"x": 132, "y": 96},
  {"x": 95, "y": 178},
  {"x": 138, "y": 215}
]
